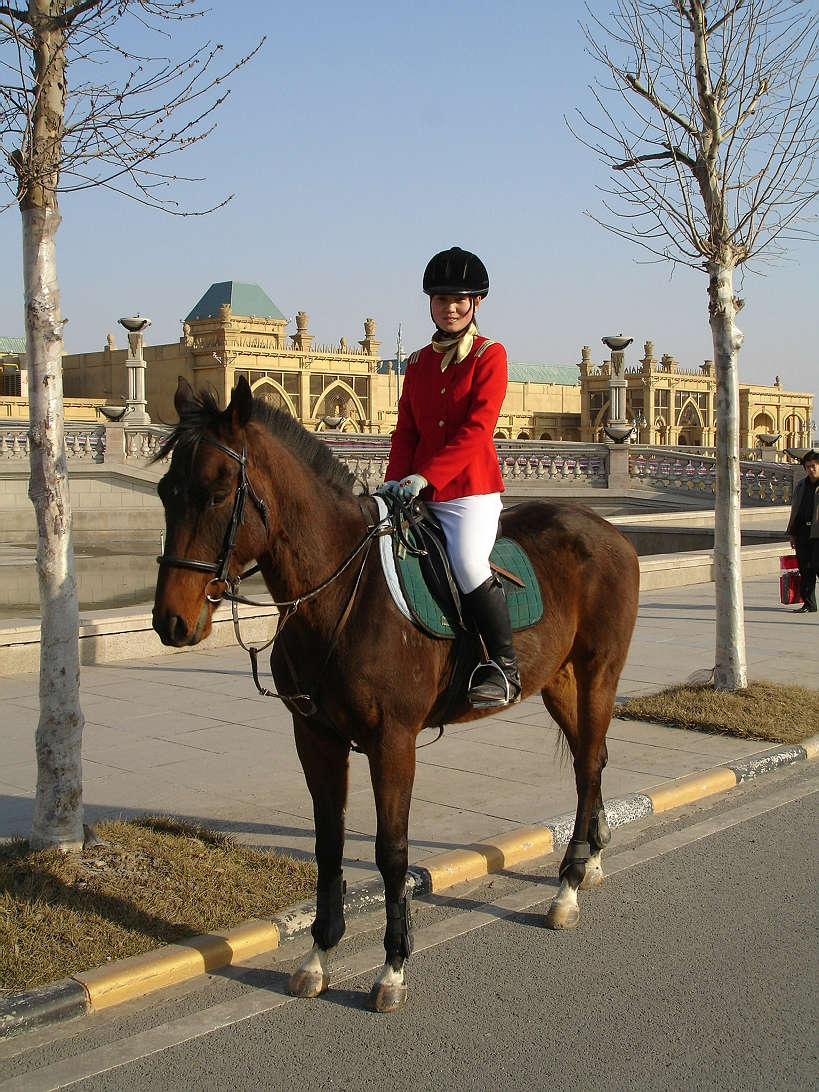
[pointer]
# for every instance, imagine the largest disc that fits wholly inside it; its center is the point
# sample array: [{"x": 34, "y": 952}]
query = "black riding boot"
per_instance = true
[{"x": 496, "y": 682}]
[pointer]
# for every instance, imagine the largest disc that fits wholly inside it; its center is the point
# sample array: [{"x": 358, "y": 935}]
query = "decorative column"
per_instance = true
[
  {"x": 618, "y": 428},
  {"x": 136, "y": 404},
  {"x": 369, "y": 344},
  {"x": 301, "y": 339}
]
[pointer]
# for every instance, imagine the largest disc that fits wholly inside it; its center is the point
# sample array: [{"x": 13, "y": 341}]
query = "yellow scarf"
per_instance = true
[{"x": 454, "y": 348}]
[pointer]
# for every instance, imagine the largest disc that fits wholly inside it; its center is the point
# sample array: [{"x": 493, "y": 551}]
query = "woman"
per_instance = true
[
  {"x": 442, "y": 449},
  {"x": 803, "y": 528}
]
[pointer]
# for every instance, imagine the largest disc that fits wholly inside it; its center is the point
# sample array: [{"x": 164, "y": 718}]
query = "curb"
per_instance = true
[{"x": 92, "y": 991}]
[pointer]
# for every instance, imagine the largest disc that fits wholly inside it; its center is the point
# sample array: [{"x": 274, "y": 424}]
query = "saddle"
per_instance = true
[{"x": 426, "y": 590}]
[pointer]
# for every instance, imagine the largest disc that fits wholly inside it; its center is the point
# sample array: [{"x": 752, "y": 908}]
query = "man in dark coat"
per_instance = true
[{"x": 803, "y": 528}]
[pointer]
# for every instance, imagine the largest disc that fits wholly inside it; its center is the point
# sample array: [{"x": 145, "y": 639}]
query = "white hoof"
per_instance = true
[
  {"x": 389, "y": 991},
  {"x": 563, "y": 912},
  {"x": 313, "y": 976}
]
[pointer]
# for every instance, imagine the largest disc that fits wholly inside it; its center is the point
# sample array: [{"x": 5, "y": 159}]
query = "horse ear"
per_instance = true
[
  {"x": 241, "y": 403},
  {"x": 185, "y": 399}
]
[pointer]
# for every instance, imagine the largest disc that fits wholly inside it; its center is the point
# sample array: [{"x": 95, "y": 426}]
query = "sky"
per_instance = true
[{"x": 363, "y": 138}]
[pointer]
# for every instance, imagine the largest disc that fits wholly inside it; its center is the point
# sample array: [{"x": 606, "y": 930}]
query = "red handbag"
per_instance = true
[{"x": 790, "y": 582}]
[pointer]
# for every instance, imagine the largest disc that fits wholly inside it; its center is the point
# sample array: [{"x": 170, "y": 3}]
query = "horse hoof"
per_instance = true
[
  {"x": 593, "y": 878},
  {"x": 386, "y": 997},
  {"x": 307, "y": 983},
  {"x": 562, "y": 917}
]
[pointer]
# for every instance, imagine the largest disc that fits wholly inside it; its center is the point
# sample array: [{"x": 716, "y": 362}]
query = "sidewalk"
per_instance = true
[{"x": 186, "y": 735}]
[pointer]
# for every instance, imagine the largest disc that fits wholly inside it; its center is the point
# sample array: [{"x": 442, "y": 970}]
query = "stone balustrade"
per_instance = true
[
  {"x": 765, "y": 483},
  {"x": 552, "y": 463}
]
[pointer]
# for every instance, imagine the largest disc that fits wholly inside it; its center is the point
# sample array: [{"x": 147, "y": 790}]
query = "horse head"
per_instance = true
[{"x": 212, "y": 533}]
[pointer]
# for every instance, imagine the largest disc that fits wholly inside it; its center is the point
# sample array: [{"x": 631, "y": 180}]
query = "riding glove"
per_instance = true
[
  {"x": 411, "y": 486},
  {"x": 388, "y": 489}
]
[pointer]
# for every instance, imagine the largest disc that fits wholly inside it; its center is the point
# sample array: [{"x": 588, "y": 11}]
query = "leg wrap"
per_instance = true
[
  {"x": 599, "y": 831},
  {"x": 328, "y": 928},
  {"x": 398, "y": 936},
  {"x": 576, "y": 852}
]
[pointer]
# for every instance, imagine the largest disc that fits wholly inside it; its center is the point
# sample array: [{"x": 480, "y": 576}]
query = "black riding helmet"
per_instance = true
[{"x": 456, "y": 272}]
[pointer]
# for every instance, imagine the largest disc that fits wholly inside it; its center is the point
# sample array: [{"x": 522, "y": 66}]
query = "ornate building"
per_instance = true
[
  {"x": 235, "y": 329},
  {"x": 677, "y": 406}
]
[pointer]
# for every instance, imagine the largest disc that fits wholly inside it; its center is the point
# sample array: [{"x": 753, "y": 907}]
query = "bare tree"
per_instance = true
[
  {"x": 123, "y": 114},
  {"x": 708, "y": 122}
]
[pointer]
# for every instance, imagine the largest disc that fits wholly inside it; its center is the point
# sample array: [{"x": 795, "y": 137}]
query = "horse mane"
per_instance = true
[{"x": 306, "y": 446}]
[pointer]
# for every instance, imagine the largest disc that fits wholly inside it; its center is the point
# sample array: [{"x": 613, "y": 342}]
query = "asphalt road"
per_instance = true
[{"x": 693, "y": 967}]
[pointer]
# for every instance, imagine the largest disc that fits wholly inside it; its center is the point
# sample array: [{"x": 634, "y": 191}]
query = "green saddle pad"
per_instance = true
[{"x": 439, "y": 619}]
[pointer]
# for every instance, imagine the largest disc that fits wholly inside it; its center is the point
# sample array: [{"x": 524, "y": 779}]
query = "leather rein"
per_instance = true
[{"x": 287, "y": 607}]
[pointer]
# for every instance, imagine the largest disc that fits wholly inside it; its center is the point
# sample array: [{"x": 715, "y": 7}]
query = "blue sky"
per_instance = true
[{"x": 365, "y": 137}]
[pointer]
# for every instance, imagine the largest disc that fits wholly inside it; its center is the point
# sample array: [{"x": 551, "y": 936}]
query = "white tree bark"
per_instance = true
[
  {"x": 58, "y": 815},
  {"x": 730, "y": 671}
]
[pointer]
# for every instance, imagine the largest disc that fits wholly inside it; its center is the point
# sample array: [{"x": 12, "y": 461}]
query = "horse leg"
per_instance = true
[
  {"x": 584, "y": 716},
  {"x": 392, "y": 770},
  {"x": 325, "y": 761},
  {"x": 599, "y": 835}
]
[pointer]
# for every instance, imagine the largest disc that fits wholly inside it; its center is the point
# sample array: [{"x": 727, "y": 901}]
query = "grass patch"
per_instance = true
[
  {"x": 778, "y": 714},
  {"x": 152, "y": 881}
]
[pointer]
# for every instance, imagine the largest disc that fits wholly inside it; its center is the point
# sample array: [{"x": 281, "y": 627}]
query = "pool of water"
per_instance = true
[{"x": 107, "y": 577}]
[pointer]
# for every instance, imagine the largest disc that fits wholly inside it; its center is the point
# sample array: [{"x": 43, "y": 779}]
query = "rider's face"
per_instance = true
[{"x": 453, "y": 313}]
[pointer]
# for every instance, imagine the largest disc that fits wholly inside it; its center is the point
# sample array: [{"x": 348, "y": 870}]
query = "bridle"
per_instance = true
[
  {"x": 287, "y": 608},
  {"x": 221, "y": 567}
]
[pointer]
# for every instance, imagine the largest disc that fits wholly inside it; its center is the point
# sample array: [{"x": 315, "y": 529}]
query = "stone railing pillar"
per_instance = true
[
  {"x": 618, "y": 467},
  {"x": 115, "y": 443}
]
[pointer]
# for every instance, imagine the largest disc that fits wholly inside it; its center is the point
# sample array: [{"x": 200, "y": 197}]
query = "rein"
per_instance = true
[{"x": 286, "y": 607}]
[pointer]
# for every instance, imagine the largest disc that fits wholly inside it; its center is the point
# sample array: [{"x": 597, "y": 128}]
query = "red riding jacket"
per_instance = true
[{"x": 446, "y": 421}]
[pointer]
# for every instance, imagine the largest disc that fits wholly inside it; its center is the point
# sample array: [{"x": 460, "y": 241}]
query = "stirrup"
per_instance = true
[{"x": 492, "y": 703}]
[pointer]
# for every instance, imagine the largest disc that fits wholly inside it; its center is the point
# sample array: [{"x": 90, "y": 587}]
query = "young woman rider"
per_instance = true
[{"x": 442, "y": 449}]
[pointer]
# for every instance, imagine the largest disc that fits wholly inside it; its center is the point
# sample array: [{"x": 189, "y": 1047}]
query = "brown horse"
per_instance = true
[{"x": 250, "y": 484}]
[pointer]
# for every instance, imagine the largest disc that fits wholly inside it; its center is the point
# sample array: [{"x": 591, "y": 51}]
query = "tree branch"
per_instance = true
[
  {"x": 671, "y": 155},
  {"x": 15, "y": 13},
  {"x": 655, "y": 101}
]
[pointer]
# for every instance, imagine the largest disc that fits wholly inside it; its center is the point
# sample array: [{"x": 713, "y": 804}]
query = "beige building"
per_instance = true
[
  {"x": 677, "y": 406},
  {"x": 235, "y": 329}
]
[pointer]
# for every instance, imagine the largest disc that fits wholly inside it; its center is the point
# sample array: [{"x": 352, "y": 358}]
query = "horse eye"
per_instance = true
[{"x": 217, "y": 499}]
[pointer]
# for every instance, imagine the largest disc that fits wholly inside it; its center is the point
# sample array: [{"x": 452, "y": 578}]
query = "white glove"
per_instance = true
[
  {"x": 388, "y": 489},
  {"x": 411, "y": 486}
]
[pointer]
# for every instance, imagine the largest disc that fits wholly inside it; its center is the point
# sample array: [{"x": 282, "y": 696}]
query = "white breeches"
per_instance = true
[{"x": 471, "y": 527}]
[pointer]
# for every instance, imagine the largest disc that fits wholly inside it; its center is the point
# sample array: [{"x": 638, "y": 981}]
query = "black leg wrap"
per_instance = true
[
  {"x": 398, "y": 936},
  {"x": 328, "y": 928},
  {"x": 599, "y": 831},
  {"x": 576, "y": 852}
]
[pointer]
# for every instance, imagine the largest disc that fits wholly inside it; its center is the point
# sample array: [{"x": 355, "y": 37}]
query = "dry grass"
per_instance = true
[
  {"x": 153, "y": 882},
  {"x": 778, "y": 714}
]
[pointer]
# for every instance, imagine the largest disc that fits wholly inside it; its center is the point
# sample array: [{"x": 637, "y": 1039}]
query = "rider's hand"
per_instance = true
[
  {"x": 388, "y": 489},
  {"x": 411, "y": 486}
]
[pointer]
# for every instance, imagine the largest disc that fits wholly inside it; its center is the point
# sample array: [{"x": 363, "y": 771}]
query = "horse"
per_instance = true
[{"x": 249, "y": 484}]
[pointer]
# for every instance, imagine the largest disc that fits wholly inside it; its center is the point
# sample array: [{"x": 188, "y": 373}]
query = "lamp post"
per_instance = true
[
  {"x": 808, "y": 427},
  {"x": 135, "y": 403},
  {"x": 618, "y": 428},
  {"x": 399, "y": 356},
  {"x": 638, "y": 423}
]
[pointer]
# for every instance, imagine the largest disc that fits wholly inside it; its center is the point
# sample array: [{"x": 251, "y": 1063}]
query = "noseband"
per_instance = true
[{"x": 221, "y": 567}]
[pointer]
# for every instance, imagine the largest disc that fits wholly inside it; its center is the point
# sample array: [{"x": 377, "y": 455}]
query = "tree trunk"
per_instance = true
[
  {"x": 58, "y": 818},
  {"x": 730, "y": 671}
]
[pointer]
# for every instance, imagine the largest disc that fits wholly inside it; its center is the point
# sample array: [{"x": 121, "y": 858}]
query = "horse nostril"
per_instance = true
[{"x": 178, "y": 630}]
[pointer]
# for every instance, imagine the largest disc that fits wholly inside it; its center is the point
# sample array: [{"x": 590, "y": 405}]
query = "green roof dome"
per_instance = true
[
  {"x": 12, "y": 344},
  {"x": 247, "y": 300},
  {"x": 565, "y": 375}
]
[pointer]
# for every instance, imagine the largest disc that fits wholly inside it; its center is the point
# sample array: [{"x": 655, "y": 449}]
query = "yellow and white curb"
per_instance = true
[{"x": 92, "y": 991}]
